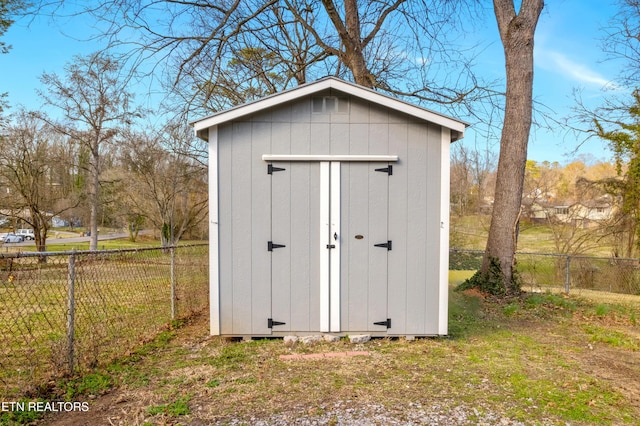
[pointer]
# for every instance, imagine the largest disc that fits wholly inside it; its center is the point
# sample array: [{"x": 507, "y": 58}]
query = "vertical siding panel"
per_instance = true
[
  {"x": 225, "y": 185},
  {"x": 300, "y": 138},
  {"x": 281, "y": 114},
  {"x": 320, "y": 138},
  {"x": 355, "y": 210},
  {"x": 378, "y": 139},
  {"x": 241, "y": 228},
  {"x": 377, "y": 280},
  {"x": 300, "y": 255},
  {"x": 346, "y": 243},
  {"x": 339, "y": 138},
  {"x": 281, "y": 258},
  {"x": 301, "y": 110},
  {"x": 281, "y": 138},
  {"x": 355, "y": 253},
  {"x": 378, "y": 114},
  {"x": 358, "y": 111},
  {"x": 398, "y": 232},
  {"x": 314, "y": 246},
  {"x": 357, "y": 140},
  {"x": 281, "y": 211},
  {"x": 260, "y": 227},
  {"x": 264, "y": 116},
  {"x": 416, "y": 223},
  {"x": 433, "y": 230}
]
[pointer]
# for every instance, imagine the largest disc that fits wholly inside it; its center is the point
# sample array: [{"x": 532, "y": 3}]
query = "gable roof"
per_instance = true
[{"x": 361, "y": 92}]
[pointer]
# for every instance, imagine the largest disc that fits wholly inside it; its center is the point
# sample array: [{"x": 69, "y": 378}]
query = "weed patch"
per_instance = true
[
  {"x": 90, "y": 384},
  {"x": 493, "y": 281},
  {"x": 20, "y": 417},
  {"x": 613, "y": 338},
  {"x": 179, "y": 407}
]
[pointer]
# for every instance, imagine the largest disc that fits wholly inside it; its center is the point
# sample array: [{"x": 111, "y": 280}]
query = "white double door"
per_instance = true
[{"x": 329, "y": 246}]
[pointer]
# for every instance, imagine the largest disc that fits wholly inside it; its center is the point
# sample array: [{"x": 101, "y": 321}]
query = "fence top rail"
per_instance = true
[
  {"x": 563, "y": 255},
  {"x": 85, "y": 252}
]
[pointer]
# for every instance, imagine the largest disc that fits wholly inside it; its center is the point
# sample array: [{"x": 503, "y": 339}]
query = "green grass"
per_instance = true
[
  {"x": 525, "y": 360},
  {"x": 612, "y": 338},
  {"x": 470, "y": 232},
  {"x": 179, "y": 407},
  {"x": 120, "y": 302},
  {"x": 89, "y": 384}
]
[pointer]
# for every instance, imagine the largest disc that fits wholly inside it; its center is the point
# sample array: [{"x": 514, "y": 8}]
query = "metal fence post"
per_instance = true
[
  {"x": 567, "y": 277},
  {"x": 173, "y": 283},
  {"x": 71, "y": 302}
]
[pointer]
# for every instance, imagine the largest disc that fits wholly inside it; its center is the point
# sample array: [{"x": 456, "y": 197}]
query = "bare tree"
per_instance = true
[
  {"x": 402, "y": 47},
  {"x": 622, "y": 41},
  {"x": 33, "y": 191},
  {"x": 167, "y": 189},
  {"x": 471, "y": 169},
  {"x": 94, "y": 101},
  {"x": 461, "y": 180},
  {"x": 517, "y": 29}
]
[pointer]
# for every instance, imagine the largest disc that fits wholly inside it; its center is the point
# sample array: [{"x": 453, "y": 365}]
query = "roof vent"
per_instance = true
[{"x": 329, "y": 105}]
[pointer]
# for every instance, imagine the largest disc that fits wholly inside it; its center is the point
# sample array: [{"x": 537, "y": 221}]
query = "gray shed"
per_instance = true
[{"x": 329, "y": 213}]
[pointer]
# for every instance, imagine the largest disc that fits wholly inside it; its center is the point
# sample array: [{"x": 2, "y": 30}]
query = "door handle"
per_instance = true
[{"x": 335, "y": 236}]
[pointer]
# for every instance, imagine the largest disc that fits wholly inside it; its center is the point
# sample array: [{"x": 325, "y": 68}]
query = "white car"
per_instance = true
[
  {"x": 3, "y": 236},
  {"x": 13, "y": 238},
  {"x": 26, "y": 233}
]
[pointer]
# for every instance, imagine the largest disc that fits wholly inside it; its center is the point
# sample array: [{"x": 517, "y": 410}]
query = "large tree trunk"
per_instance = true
[
  {"x": 350, "y": 35},
  {"x": 517, "y": 32}
]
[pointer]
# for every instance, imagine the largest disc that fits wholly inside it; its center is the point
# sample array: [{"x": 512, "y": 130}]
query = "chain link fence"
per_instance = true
[
  {"x": 603, "y": 279},
  {"x": 69, "y": 312}
]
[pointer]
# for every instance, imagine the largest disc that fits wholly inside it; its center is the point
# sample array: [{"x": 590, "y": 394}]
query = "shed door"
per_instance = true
[
  {"x": 365, "y": 246},
  {"x": 329, "y": 246},
  {"x": 295, "y": 214}
]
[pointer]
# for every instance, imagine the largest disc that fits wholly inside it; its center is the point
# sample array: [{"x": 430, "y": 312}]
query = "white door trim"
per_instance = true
[
  {"x": 325, "y": 279},
  {"x": 329, "y": 236},
  {"x": 214, "y": 259},
  {"x": 334, "y": 254},
  {"x": 295, "y": 157}
]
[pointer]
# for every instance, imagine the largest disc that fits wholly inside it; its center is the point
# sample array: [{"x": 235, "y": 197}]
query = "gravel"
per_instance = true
[{"x": 344, "y": 413}]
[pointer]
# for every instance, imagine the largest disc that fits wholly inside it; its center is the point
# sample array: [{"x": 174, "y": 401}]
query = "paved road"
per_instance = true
[{"x": 70, "y": 240}]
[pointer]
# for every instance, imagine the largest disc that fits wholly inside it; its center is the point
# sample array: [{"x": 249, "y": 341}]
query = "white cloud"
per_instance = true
[{"x": 581, "y": 73}]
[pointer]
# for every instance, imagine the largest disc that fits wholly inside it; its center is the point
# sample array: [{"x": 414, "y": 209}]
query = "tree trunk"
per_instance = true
[
  {"x": 517, "y": 33},
  {"x": 354, "y": 55},
  {"x": 350, "y": 35},
  {"x": 95, "y": 197}
]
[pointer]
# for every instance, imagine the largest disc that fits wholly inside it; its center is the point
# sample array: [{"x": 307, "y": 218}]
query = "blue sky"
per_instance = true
[{"x": 568, "y": 57}]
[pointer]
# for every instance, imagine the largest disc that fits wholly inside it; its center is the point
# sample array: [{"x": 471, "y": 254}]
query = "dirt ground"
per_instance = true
[{"x": 608, "y": 366}]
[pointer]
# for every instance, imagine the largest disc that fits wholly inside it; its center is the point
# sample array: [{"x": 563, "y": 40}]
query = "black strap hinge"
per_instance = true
[
  {"x": 386, "y": 323},
  {"x": 387, "y": 245},
  {"x": 271, "y": 323},
  {"x": 388, "y": 170},
  {"x": 271, "y": 245},
  {"x": 271, "y": 169}
]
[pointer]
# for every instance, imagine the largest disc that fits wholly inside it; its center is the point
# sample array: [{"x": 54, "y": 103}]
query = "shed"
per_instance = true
[{"x": 329, "y": 213}]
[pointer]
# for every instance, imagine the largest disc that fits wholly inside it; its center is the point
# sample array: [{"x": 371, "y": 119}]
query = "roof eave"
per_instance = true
[{"x": 458, "y": 127}]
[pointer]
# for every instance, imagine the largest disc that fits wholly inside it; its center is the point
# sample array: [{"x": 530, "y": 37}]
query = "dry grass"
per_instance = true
[
  {"x": 543, "y": 359},
  {"x": 120, "y": 300}
]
